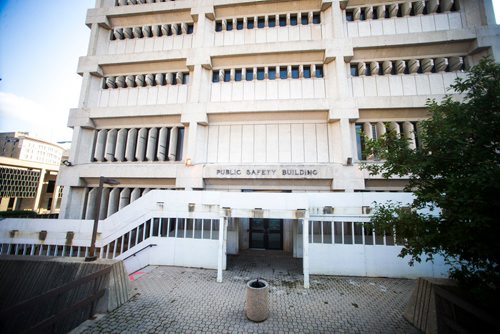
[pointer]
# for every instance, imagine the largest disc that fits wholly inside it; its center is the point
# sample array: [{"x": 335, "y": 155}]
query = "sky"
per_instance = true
[{"x": 40, "y": 43}]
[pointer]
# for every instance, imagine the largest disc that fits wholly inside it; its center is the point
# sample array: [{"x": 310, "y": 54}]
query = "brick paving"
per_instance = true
[{"x": 187, "y": 300}]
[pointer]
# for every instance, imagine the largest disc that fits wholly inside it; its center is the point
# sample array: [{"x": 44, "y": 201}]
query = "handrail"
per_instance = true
[
  {"x": 52, "y": 294},
  {"x": 140, "y": 250}
]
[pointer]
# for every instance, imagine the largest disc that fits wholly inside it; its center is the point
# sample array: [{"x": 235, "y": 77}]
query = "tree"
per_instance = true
[{"x": 455, "y": 177}]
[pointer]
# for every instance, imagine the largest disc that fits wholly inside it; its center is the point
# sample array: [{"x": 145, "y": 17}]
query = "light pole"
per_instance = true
[{"x": 102, "y": 180}]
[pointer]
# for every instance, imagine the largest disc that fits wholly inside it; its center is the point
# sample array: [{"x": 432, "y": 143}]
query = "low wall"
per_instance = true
[{"x": 22, "y": 278}]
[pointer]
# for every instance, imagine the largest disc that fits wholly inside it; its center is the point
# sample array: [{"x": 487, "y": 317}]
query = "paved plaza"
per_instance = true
[{"x": 186, "y": 300}]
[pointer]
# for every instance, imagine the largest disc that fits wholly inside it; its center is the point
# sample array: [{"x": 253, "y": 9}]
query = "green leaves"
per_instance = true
[{"x": 457, "y": 169}]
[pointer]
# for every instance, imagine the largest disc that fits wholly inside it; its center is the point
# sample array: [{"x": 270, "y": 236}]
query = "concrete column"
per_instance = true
[
  {"x": 39, "y": 190},
  {"x": 341, "y": 75},
  {"x": 136, "y": 194},
  {"x": 305, "y": 247},
  {"x": 172, "y": 145},
  {"x": 220, "y": 252},
  {"x": 111, "y": 145},
  {"x": 142, "y": 140},
  {"x": 367, "y": 129},
  {"x": 191, "y": 141},
  {"x": 131, "y": 145},
  {"x": 121, "y": 144},
  {"x": 100, "y": 145},
  {"x": 409, "y": 133},
  {"x": 152, "y": 144},
  {"x": 124, "y": 198},
  {"x": 114, "y": 199},
  {"x": 161, "y": 153},
  {"x": 55, "y": 198},
  {"x": 90, "y": 209},
  {"x": 345, "y": 135},
  {"x": 103, "y": 210},
  {"x": 380, "y": 129}
]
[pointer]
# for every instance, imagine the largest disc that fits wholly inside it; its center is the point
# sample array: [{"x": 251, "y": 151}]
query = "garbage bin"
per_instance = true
[{"x": 257, "y": 303}]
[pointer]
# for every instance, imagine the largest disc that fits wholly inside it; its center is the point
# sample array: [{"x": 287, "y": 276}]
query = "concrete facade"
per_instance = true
[{"x": 225, "y": 114}]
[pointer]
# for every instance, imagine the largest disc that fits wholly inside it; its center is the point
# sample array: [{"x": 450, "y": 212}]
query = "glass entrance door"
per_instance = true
[{"x": 266, "y": 233}]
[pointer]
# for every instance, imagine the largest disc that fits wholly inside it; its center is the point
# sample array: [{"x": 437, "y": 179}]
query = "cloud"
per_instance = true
[{"x": 18, "y": 113}]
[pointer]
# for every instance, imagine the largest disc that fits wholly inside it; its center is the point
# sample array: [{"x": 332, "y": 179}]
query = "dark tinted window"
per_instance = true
[
  {"x": 239, "y": 24},
  {"x": 250, "y": 23},
  {"x": 316, "y": 18},
  {"x": 282, "y": 72},
  {"x": 295, "y": 72},
  {"x": 293, "y": 19},
  {"x": 354, "y": 70},
  {"x": 272, "y": 73},
  {"x": 319, "y": 71},
  {"x": 229, "y": 25},
  {"x": 190, "y": 29},
  {"x": 307, "y": 71},
  {"x": 304, "y": 19},
  {"x": 249, "y": 74},
  {"x": 215, "y": 76},
  {"x": 227, "y": 75},
  {"x": 271, "y": 22},
  {"x": 282, "y": 20},
  {"x": 237, "y": 75},
  {"x": 261, "y": 22},
  {"x": 260, "y": 73},
  {"x": 218, "y": 26}
]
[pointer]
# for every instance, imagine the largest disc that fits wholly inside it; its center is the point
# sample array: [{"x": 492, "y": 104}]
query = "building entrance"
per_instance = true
[{"x": 266, "y": 233}]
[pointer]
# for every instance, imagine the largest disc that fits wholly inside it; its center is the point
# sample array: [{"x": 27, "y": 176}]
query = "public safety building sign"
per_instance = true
[{"x": 268, "y": 172}]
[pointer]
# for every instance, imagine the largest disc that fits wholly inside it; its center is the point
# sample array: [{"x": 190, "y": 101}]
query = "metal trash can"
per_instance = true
[{"x": 257, "y": 302}]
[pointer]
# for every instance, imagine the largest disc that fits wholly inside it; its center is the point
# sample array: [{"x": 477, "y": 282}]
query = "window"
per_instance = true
[
  {"x": 261, "y": 22},
  {"x": 190, "y": 28},
  {"x": 237, "y": 75},
  {"x": 293, "y": 19},
  {"x": 360, "y": 141},
  {"x": 316, "y": 18},
  {"x": 215, "y": 76},
  {"x": 283, "y": 72},
  {"x": 185, "y": 78},
  {"x": 272, "y": 73},
  {"x": 327, "y": 232},
  {"x": 227, "y": 75},
  {"x": 239, "y": 24},
  {"x": 349, "y": 15},
  {"x": 304, "y": 19},
  {"x": 348, "y": 236},
  {"x": 250, "y": 23},
  {"x": 354, "y": 71},
  {"x": 368, "y": 234},
  {"x": 282, "y": 20},
  {"x": 358, "y": 233},
  {"x": 307, "y": 71},
  {"x": 229, "y": 25},
  {"x": 181, "y": 225},
  {"x": 180, "y": 144},
  {"x": 295, "y": 72},
  {"x": 338, "y": 232},
  {"x": 319, "y": 71},
  {"x": 249, "y": 76},
  {"x": 271, "y": 21},
  {"x": 260, "y": 73}
]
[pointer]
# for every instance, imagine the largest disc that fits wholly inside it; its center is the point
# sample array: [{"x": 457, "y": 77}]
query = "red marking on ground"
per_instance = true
[{"x": 132, "y": 277}]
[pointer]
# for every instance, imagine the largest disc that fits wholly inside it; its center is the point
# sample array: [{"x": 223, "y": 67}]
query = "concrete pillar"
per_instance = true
[
  {"x": 103, "y": 210},
  {"x": 135, "y": 194},
  {"x": 172, "y": 145},
  {"x": 409, "y": 133},
  {"x": 131, "y": 145},
  {"x": 380, "y": 129},
  {"x": 161, "y": 153},
  {"x": 114, "y": 199},
  {"x": 152, "y": 144},
  {"x": 220, "y": 253},
  {"x": 191, "y": 141},
  {"x": 334, "y": 19},
  {"x": 142, "y": 140},
  {"x": 39, "y": 189},
  {"x": 110, "y": 145},
  {"x": 121, "y": 144},
  {"x": 305, "y": 249},
  {"x": 345, "y": 135},
  {"x": 124, "y": 198},
  {"x": 100, "y": 145},
  {"x": 55, "y": 198},
  {"x": 367, "y": 129},
  {"x": 90, "y": 209}
]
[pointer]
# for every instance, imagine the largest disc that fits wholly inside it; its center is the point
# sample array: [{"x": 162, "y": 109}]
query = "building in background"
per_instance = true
[
  {"x": 236, "y": 124},
  {"x": 28, "y": 173}
]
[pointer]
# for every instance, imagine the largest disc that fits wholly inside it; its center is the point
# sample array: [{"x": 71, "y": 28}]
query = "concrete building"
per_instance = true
[
  {"x": 28, "y": 172},
  {"x": 235, "y": 124}
]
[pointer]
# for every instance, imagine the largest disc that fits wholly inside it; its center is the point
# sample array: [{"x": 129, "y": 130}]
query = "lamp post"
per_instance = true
[{"x": 102, "y": 180}]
